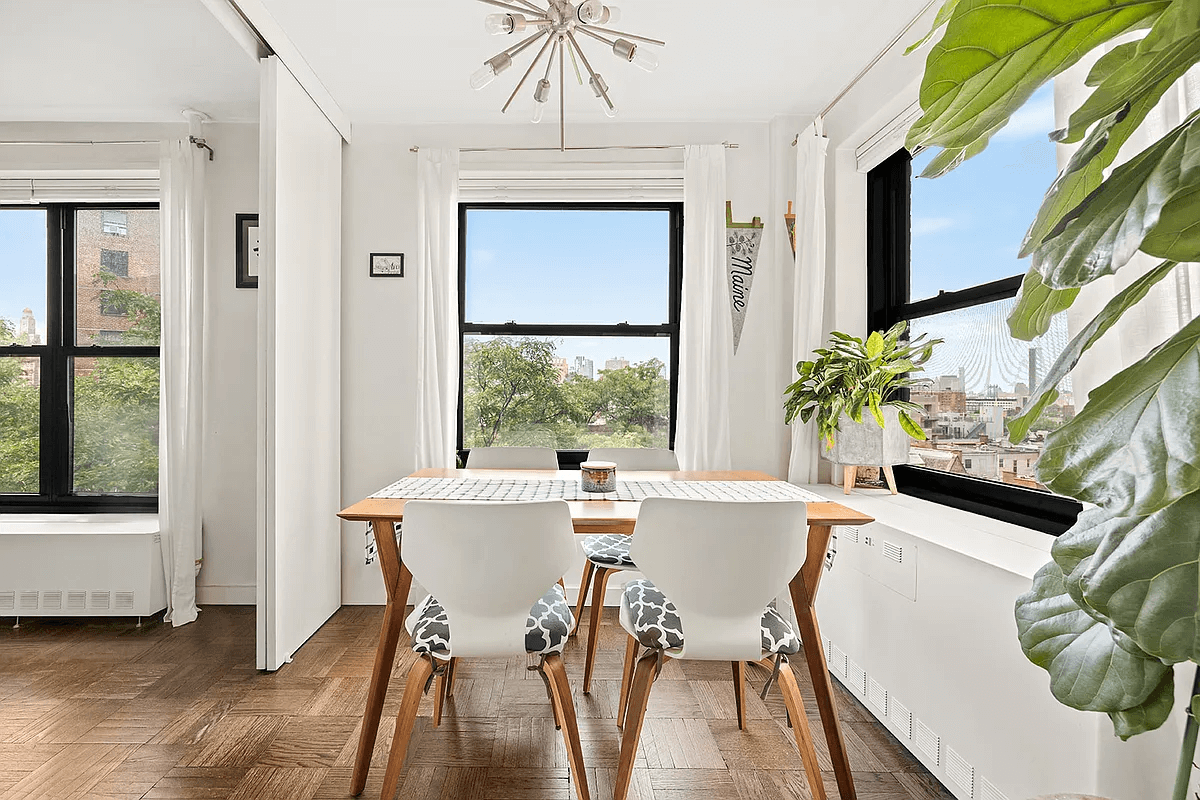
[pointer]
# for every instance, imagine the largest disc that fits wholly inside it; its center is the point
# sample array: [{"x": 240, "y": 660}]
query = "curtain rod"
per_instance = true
[
  {"x": 873, "y": 62},
  {"x": 728, "y": 146},
  {"x": 201, "y": 144}
]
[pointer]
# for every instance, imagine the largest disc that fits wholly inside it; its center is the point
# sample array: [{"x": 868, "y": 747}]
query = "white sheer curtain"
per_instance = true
[
  {"x": 180, "y": 400},
  {"x": 808, "y": 302},
  {"x": 1175, "y": 300},
  {"x": 437, "y": 307},
  {"x": 705, "y": 325}
]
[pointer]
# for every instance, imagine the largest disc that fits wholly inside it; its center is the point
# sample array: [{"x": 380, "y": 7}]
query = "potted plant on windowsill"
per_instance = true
[{"x": 853, "y": 389}]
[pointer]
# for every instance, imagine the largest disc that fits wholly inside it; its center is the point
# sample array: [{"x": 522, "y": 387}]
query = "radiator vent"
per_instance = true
[
  {"x": 28, "y": 601},
  {"x": 828, "y": 651},
  {"x": 987, "y": 791},
  {"x": 959, "y": 771},
  {"x": 52, "y": 600},
  {"x": 76, "y": 601},
  {"x": 123, "y": 601},
  {"x": 100, "y": 599},
  {"x": 894, "y": 552},
  {"x": 856, "y": 678},
  {"x": 928, "y": 742},
  {"x": 838, "y": 664},
  {"x": 8, "y": 601},
  {"x": 852, "y": 534},
  {"x": 877, "y": 695},
  {"x": 901, "y": 717}
]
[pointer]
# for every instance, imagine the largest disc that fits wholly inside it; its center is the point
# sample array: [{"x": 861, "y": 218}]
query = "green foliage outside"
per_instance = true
[
  {"x": 513, "y": 397},
  {"x": 115, "y": 409},
  {"x": 1119, "y": 604}
]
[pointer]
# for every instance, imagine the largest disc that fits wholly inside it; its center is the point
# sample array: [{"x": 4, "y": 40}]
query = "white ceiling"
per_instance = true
[
  {"x": 120, "y": 60},
  {"x": 408, "y": 61}
]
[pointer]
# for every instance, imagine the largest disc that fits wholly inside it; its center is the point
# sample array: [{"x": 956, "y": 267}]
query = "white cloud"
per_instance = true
[
  {"x": 1035, "y": 118},
  {"x": 926, "y": 225}
]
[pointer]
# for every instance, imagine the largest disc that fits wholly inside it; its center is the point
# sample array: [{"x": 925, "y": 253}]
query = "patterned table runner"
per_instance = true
[{"x": 517, "y": 489}]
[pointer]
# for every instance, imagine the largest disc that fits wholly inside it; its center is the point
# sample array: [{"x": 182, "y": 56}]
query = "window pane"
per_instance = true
[
  {"x": 22, "y": 276},
  {"x": 567, "y": 393},
  {"x": 115, "y": 425},
  {"x": 20, "y": 428},
  {"x": 567, "y": 267},
  {"x": 117, "y": 279},
  {"x": 976, "y": 381},
  {"x": 967, "y": 226}
]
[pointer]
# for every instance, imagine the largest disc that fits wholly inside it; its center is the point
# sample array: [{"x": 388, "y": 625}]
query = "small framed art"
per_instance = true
[
  {"x": 247, "y": 251},
  {"x": 387, "y": 265}
]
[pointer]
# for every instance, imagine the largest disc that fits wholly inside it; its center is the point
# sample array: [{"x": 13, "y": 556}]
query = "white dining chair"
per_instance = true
[
  {"x": 713, "y": 569},
  {"x": 490, "y": 569},
  {"x": 512, "y": 458},
  {"x": 607, "y": 553}
]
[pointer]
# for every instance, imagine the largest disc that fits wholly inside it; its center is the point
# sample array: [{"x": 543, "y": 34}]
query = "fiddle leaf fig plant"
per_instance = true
[
  {"x": 1119, "y": 604},
  {"x": 852, "y": 377}
]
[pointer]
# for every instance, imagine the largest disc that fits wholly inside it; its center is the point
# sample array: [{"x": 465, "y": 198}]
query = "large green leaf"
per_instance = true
[
  {"x": 1143, "y": 576},
  {"x": 1104, "y": 231},
  {"x": 1047, "y": 391},
  {"x": 943, "y": 16},
  {"x": 1088, "y": 669},
  {"x": 1148, "y": 715},
  {"x": 995, "y": 53},
  {"x": 1142, "y": 69},
  {"x": 1036, "y": 305},
  {"x": 1135, "y": 446}
]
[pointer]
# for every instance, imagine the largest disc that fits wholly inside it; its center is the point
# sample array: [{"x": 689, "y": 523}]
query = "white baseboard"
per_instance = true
[{"x": 241, "y": 595}]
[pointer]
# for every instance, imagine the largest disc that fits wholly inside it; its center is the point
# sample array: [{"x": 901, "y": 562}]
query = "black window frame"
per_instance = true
[
  {"x": 56, "y": 355},
  {"x": 571, "y": 459},
  {"x": 889, "y": 240}
]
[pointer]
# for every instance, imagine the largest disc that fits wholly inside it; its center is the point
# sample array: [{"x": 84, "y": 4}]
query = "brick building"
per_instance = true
[{"x": 114, "y": 250}]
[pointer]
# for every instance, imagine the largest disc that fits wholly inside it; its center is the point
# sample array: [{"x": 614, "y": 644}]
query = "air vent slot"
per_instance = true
[
  {"x": 901, "y": 717},
  {"x": 828, "y": 651},
  {"x": 959, "y": 771},
  {"x": 893, "y": 552},
  {"x": 123, "y": 601},
  {"x": 76, "y": 601},
  {"x": 877, "y": 695},
  {"x": 928, "y": 742},
  {"x": 987, "y": 791},
  {"x": 52, "y": 600},
  {"x": 101, "y": 600},
  {"x": 28, "y": 601},
  {"x": 838, "y": 665},
  {"x": 852, "y": 534},
  {"x": 856, "y": 677},
  {"x": 8, "y": 601}
]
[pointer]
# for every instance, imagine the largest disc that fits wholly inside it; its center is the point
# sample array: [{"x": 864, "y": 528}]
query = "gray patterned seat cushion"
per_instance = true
[
  {"x": 550, "y": 620},
  {"x": 656, "y": 622},
  {"x": 610, "y": 550}
]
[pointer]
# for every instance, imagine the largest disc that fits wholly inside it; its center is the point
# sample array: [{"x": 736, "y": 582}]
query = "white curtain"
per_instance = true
[
  {"x": 808, "y": 301},
  {"x": 705, "y": 325},
  {"x": 437, "y": 307},
  {"x": 180, "y": 399},
  {"x": 1175, "y": 300}
]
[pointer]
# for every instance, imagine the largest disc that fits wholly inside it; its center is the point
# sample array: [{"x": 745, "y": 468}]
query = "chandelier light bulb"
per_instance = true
[
  {"x": 610, "y": 110},
  {"x": 538, "y": 110},
  {"x": 611, "y": 15},
  {"x": 590, "y": 12},
  {"x": 496, "y": 24},
  {"x": 646, "y": 59},
  {"x": 490, "y": 69}
]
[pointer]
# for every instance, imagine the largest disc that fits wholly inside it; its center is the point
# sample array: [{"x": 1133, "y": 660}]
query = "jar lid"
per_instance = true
[{"x": 598, "y": 465}]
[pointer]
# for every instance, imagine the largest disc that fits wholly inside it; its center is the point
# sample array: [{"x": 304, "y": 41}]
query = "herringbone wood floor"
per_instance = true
[{"x": 101, "y": 709}]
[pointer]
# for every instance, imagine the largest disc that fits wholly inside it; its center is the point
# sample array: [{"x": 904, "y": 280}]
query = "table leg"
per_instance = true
[{"x": 803, "y": 590}]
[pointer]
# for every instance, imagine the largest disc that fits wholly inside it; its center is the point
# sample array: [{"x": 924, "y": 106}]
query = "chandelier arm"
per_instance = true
[
  {"x": 525, "y": 77},
  {"x": 595, "y": 36},
  {"x": 550, "y": 63},
  {"x": 532, "y": 7},
  {"x": 515, "y": 9},
  {"x": 575, "y": 66},
  {"x": 519, "y": 46},
  {"x": 630, "y": 36},
  {"x": 599, "y": 85}
]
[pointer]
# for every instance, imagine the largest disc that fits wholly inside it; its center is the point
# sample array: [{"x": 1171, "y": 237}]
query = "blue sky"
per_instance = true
[{"x": 23, "y": 265}]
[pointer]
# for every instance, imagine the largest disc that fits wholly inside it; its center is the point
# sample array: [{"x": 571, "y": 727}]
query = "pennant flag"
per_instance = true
[
  {"x": 790, "y": 219},
  {"x": 742, "y": 242}
]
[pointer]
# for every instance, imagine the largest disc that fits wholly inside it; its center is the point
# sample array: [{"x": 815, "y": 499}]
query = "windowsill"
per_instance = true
[
  {"x": 1013, "y": 548},
  {"x": 90, "y": 524}
]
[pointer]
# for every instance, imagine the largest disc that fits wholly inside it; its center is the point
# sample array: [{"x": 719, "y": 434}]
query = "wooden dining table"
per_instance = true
[{"x": 602, "y": 516}]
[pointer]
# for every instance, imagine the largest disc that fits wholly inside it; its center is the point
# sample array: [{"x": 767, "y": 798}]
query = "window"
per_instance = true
[
  {"x": 942, "y": 254},
  {"x": 114, "y": 223},
  {"x": 115, "y": 263},
  {"x": 569, "y": 318},
  {"x": 79, "y": 359}
]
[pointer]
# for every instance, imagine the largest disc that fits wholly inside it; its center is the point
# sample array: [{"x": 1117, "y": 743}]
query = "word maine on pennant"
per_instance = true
[{"x": 742, "y": 240}]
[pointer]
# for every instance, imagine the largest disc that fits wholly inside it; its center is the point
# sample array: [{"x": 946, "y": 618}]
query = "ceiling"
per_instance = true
[
  {"x": 408, "y": 61},
  {"x": 120, "y": 60}
]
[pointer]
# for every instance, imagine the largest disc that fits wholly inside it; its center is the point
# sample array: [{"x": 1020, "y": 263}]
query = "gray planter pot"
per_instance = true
[{"x": 864, "y": 443}]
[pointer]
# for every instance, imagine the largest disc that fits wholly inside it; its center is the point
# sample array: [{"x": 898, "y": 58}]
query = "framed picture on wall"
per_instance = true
[
  {"x": 247, "y": 251},
  {"x": 387, "y": 265}
]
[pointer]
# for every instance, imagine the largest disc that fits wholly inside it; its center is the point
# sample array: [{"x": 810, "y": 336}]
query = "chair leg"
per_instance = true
[
  {"x": 890, "y": 477},
  {"x": 439, "y": 696},
  {"x": 849, "y": 478},
  {"x": 631, "y": 654},
  {"x": 450, "y": 670},
  {"x": 639, "y": 695},
  {"x": 593, "y": 641},
  {"x": 564, "y": 709},
  {"x": 588, "y": 569},
  {"x": 407, "y": 715},
  {"x": 739, "y": 692},
  {"x": 804, "y": 741}
]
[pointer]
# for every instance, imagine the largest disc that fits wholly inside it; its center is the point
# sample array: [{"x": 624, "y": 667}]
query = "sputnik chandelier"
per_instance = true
[{"x": 558, "y": 25}]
